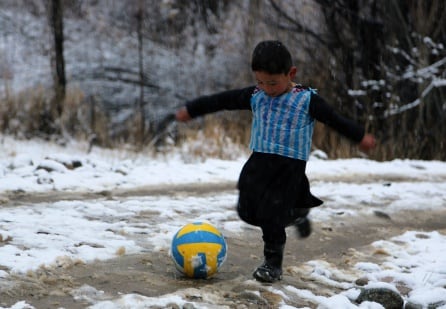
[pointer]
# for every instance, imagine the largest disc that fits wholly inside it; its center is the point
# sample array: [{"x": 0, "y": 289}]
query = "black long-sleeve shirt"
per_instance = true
[{"x": 240, "y": 100}]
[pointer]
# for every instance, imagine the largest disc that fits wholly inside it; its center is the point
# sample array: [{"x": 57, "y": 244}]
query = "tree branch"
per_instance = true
[{"x": 297, "y": 26}]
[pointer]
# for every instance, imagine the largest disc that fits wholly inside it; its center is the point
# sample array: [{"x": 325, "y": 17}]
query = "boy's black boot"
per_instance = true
[
  {"x": 271, "y": 269},
  {"x": 303, "y": 227}
]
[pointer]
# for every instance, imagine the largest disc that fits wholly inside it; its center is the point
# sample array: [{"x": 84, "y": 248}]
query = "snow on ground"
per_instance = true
[{"x": 52, "y": 233}]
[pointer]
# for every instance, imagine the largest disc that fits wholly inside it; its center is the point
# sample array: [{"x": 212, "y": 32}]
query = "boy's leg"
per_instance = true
[{"x": 274, "y": 238}]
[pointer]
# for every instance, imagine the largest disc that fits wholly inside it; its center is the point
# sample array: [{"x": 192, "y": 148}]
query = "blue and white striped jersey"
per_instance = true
[{"x": 282, "y": 125}]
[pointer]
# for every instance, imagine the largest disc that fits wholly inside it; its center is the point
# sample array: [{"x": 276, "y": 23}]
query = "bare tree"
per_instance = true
[
  {"x": 386, "y": 61},
  {"x": 55, "y": 18},
  {"x": 416, "y": 66},
  {"x": 139, "y": 26}
]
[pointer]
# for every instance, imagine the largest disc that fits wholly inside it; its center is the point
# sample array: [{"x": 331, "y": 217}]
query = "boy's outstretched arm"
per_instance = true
[
  {"x": 227, "y": 100},
  {"x": 323, "y": 112}
]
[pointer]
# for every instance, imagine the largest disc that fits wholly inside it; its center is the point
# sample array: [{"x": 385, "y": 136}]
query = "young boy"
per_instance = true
[{"x": 274, "y": 191}]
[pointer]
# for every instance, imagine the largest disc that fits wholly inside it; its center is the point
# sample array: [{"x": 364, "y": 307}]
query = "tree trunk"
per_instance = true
[
  {"x": 55, "y": 14},
  {"x": 140, "y": 21}
]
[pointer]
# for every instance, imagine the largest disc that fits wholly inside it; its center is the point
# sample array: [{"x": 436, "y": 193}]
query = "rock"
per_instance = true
[
  {"x": 51, "y": 166},
  {"x": 411, "y": 305},
  {"x": 65, "y": 160},
  {"x": 362, "y": 281},
  {"x": 436, "y": 305},
  {"x": 386, "y": 297},
  {"x": 382, "y": 215}
]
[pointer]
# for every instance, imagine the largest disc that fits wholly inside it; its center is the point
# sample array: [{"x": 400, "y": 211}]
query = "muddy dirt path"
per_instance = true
[{"x": 339, "y": 242}]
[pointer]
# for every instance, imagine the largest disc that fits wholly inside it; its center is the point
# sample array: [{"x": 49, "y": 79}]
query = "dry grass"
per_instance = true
[
  {"x": 215, "y": 136},
  {"x": 226, "y": 135},
  {"x": 223, "y": 135},
  {"x": 28, "y": 114},
  {"x": 84, "y": 119},
  {"x": 21, "y": 113}
]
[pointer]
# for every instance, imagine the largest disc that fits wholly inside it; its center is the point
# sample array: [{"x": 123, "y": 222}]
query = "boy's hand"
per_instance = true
[
  {"x": 182, "y": 115},
  {"x": 367, "y": 143}
]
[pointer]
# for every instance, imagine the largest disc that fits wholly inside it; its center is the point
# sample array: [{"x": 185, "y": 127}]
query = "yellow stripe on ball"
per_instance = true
[{"x": 193, "y": 259}]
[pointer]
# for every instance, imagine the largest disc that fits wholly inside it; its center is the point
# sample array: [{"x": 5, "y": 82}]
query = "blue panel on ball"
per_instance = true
[
  {"x": 198, "y": 237},
  {"x": 201, "y": 271}
]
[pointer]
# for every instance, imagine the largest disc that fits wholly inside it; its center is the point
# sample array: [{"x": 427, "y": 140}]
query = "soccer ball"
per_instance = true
[{"x": 198, "y": 250}]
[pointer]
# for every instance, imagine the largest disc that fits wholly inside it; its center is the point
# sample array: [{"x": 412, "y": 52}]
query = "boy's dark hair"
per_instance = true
[{"x": 271, "y": 57}]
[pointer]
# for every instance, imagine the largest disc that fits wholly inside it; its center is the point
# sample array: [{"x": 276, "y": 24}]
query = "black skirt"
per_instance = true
[{"x": 274, "y": 190}]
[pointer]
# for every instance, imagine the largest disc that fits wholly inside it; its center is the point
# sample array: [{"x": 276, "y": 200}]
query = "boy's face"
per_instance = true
[{"x": 275, "y": 85}]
